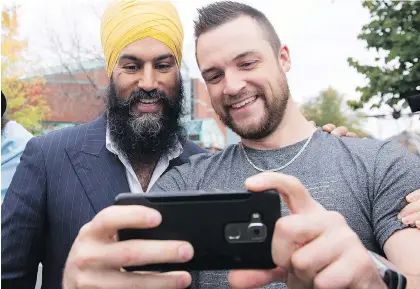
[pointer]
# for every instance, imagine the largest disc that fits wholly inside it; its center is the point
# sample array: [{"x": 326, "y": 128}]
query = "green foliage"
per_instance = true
[
  {"x": 25, "y": 101},
  {"x": 327, "y": 108},
  {"x": 394, "y": 31}
]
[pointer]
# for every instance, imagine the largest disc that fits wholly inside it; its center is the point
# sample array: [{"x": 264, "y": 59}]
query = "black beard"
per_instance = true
[{"x": 144, "y": 138}]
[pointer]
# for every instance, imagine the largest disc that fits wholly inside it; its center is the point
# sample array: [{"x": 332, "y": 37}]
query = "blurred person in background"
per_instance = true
[{"x": 14, "y": 138}]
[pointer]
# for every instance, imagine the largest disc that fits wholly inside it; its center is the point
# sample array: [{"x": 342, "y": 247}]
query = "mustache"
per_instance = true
[
  {"x": 140, "y": 94},
  {"x": 244, "y": 93}
]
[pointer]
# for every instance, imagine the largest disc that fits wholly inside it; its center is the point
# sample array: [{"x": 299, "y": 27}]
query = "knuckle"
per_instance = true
[
  {"x": 300, "y": 262},
  {"x": 84, "y": 231},
  {"x": 99, "y": 222},
  {"x": 103, "y": 215},
  {"x": 324, "y": 282},
  {"x": 129, "y": 256},
  {"x": 296, "y": 183},
  {"x": 172, "y": 251},
  {"x": 365, "y": 262},
  {"x": 347, "y": 235},
  {"x": 83, "y": 260},
  {"x": 336, "y": 218},
  {"x": 83, "y": 281},
  {"x": 132, "y": 284},
  {"x": 295, "y": 180},
  {"x": 321, "y": 283},
  {"x": 283, "y": 227}
]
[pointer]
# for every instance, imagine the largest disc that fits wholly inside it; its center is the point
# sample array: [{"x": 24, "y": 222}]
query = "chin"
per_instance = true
[{"x": 247, "y": 131}]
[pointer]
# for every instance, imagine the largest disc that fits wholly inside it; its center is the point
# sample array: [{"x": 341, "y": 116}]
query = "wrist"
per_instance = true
[{"x": 389, "y": 274}]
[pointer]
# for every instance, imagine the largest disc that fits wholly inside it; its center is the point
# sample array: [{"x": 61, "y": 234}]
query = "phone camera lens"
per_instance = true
[{"x": 257, "y": 232}]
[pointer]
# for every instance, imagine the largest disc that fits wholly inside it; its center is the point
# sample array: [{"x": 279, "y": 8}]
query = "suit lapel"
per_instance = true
[{"x": 100, "y": 172}]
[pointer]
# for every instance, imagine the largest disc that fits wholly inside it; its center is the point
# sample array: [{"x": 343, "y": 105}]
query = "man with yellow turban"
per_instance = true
[{"x": 67, "y": 177}]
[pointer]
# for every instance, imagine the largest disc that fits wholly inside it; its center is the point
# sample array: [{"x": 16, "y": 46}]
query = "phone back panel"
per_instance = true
[{"x": 203, "y": 219}]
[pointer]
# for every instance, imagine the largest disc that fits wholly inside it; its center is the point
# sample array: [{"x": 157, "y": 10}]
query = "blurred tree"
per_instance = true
[
  {"x": 25, "y": 101},
  {"x": 394, "y": 31},
  {"x": 327, "y": 108}
]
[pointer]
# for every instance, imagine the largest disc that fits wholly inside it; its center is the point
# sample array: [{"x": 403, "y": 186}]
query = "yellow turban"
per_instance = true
[{"x": 126, "y": 21}]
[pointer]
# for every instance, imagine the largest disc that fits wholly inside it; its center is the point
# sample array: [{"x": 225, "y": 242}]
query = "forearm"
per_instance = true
[{"x": 413, "y": 280}]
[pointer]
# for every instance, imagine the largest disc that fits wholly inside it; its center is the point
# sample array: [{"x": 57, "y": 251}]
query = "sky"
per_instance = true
[{"x": 321, "y": 35}]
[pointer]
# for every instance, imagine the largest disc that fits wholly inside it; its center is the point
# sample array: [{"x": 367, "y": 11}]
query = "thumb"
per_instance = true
[{"x": 293, "y": 192}]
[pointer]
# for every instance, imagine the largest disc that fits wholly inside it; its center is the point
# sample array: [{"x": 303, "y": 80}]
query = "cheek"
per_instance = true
[
  {"x": 125, "y": 84},
  {"x": 262, "y": 82},
  {"x": 216, "y": 96},
  {"x": 167, "y": 82}
]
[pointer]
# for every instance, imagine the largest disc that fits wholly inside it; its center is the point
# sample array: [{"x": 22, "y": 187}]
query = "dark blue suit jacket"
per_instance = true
[{"x": 63, "y": 180}]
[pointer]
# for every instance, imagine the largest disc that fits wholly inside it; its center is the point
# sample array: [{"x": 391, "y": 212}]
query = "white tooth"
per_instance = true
[
  {"x": 244, "y": 102},
  {"x": 149, "y": 100}
]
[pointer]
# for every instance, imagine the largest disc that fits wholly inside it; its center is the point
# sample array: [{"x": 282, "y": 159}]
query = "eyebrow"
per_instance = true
[
  {"x": 207, "y": 70},
  {"x": 128, "y": 57},
  {"x": 134, "y": 58},
  {"x": 244, "y": 54},
  {"x": 164, "y": 56}
]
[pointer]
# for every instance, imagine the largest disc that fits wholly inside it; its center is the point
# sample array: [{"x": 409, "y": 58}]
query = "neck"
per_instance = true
[
  {"x": 292, "y": 129},
  {"x": 144, "y": 171},
  {"x": 144, "y": 161}
]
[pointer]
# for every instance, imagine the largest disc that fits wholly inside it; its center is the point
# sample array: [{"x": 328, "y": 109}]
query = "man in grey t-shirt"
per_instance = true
[
  {"x": 243, "y": 64},
  {"x": 364, "y": 180}
]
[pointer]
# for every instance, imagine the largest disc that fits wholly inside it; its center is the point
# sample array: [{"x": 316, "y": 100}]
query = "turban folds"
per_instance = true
[{"x": 126, "y": 21}]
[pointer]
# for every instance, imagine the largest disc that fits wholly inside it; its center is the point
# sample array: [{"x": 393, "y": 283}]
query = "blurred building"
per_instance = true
[{"x": 76, "y": 94}]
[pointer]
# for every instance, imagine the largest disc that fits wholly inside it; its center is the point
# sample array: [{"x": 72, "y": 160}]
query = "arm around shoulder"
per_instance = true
[{"x": 397, "y": 174}]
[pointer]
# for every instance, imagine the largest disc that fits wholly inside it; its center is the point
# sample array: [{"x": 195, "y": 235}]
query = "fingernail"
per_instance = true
[
  {"x": 406, "y": 220},
  {"x": 411, "y": 198},
  {"x": 154, "y": 218},
  {"x": 184, "y": 281},
  {"x": 185, "y": 251},
  {"x": 399, "y": 216}
]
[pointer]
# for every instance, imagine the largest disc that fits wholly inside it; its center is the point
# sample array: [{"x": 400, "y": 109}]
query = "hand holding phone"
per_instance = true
[
  {"x": 96, "y": 258},
  {"x": 228, "y": 230}
]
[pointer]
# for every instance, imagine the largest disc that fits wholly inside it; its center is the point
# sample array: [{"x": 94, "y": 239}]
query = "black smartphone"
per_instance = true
[{"x": 228, "y": 230}]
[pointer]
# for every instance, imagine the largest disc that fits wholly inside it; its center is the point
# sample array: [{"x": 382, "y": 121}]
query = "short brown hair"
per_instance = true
[{"x": 219, "y": 13}]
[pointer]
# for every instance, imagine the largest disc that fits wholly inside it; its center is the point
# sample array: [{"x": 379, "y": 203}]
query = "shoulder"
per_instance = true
[
  {"x": 190, "y": 148},
  {"x": 379, "y": 155},
  {"x": 16, "y": 131},
  {"x": 71, "y": 137},
  {"x": 14, "y": 139},
  {"x": 191, "y": 173},
  {"x": 353, "y": 142},
  {"x": 203, "y": 161},
  {"x": 56, "y": 137},
  {"x": 366, "y": 148}
]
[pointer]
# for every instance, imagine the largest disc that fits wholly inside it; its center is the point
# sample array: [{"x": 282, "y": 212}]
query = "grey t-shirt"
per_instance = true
[{"x": 365, "y": 180}]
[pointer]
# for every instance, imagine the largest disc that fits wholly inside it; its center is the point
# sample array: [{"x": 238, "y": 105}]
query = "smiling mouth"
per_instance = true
[
  {"x": 244, "y": 102},
  {"x": 149, "y": 101}
]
